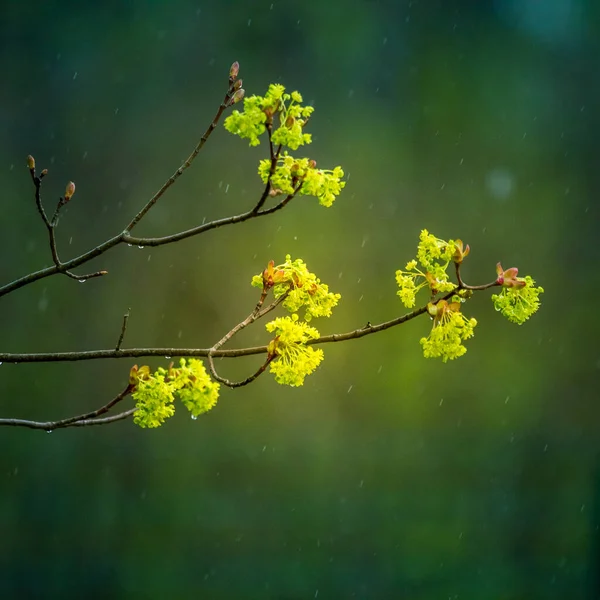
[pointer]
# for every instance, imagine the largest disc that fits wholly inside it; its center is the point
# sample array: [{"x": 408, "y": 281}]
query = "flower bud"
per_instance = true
[
  {"x": 44, "y": 173},
  {"x": 136, "y": 373},
  {"x": 312, "y": 163},
  {"x": 460, "y": 251},
  {"x": 289, "y": 122},
  {"x": 239, "y": 94},
  {"x": 69, "y": 191},
  {"x": 30, "y": 162},
  {"x": 234, "y": 70},
  {"x": 508, "y": 277},
  {"x": 432, "y": 309},
  {"x": 238, "y": 84}
]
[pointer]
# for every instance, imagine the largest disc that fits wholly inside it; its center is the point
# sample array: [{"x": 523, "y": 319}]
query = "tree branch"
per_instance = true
[
  {"x": 84, "y": 419},
  {"x": 126, "y": 237},
  {"x": 187, "y": 163}
]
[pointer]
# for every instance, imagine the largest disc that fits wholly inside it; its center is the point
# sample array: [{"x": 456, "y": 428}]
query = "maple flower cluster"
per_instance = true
[
  {"x": 291, "y": 359},
  {"x": 517, "y": 301},
  {"x": 287, "y": 175},
  {"x": 519, "y": 297},
  {"x": 155, "y": 393},
  {"x": 428, "y": 270},
  {"x": 450, "y": 329}
]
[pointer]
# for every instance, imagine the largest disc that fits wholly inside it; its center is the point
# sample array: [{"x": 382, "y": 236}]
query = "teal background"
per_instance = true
[{"x": 387, "y": 475}]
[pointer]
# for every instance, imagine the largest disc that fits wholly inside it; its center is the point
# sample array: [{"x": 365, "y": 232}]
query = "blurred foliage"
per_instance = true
[{"x": 386, "y": 475}]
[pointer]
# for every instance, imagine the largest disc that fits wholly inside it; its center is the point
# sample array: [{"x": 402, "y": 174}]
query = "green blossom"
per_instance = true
[
  {"x": 294, "y": 360},
  {"x": 450, "y": 329},
  {"x": 519, "y": 301},
  {"x": 195, "y": 389},
  {"x": 290, "y": 172},
  {"x": 154, "y": 393},
  {"x": 260, "y": 111},
  {"x": 434, "y": 256},
  {"x": 153, "y": 401},
  {"x": 304, "y": 288}
]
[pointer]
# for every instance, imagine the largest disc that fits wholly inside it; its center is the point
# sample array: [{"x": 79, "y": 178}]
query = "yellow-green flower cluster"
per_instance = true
[
  {"x": 153, "y": 401},
  {"x": 293, "y": 118},
  {"x": 259, "y": 112},
  {"x": 304, "y": 288},
  {"x": 517, "y": 303},
  {"x": 294, "y": 360},
  {"x": 434, "y": 256},
  {"x": 154, "y": 393},
  {"x": 290, "y": 172},
  {"x": 450, "y": 329}
]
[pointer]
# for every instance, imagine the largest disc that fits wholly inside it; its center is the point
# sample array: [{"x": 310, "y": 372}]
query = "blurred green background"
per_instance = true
[{"x": 387, "y": 475}]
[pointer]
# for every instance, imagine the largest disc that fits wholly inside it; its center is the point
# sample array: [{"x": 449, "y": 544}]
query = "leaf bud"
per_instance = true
[
  {"x": 239, "y": 94},
  {"x": 234, "y": 70},
  {"x": 69, "y": 191}
]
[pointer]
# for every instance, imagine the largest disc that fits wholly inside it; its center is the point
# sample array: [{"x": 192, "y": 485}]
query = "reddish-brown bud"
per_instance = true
[
  {"x": 30, "y": 163},
  {"x": 289, "y": 122},
  {"x": 312, "y": 163},
  {"x": 508, "y": 277},
  {"x": 69, "y": 191},
  {"x": 238, "y": 84},
  {"x": 234, "y": 70},
  {"x": 239, "y": 94}
]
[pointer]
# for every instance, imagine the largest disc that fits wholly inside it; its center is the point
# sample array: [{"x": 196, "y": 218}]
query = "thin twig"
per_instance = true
[
  {"x": 51, "y": 228},
  {"x": 237, "y": 384},
  {"x": 70, "y": 421},
  {"x": 86, "y": 276},
  {"x": 463, "y": 286},
  {"x": 105, "y": 420},
  {"x": 273, "y": 305},
  {"x": 123, "y": 329},
  {"x": 274, "y": 159},
  {"x": 186, "y": 164},
  {"x": 37, "y": 182},
  {"x": 247, "y": 321}
]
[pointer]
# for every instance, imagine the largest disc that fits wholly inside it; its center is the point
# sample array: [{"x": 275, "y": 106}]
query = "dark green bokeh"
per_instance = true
[{"x": 387, "y": 475}]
